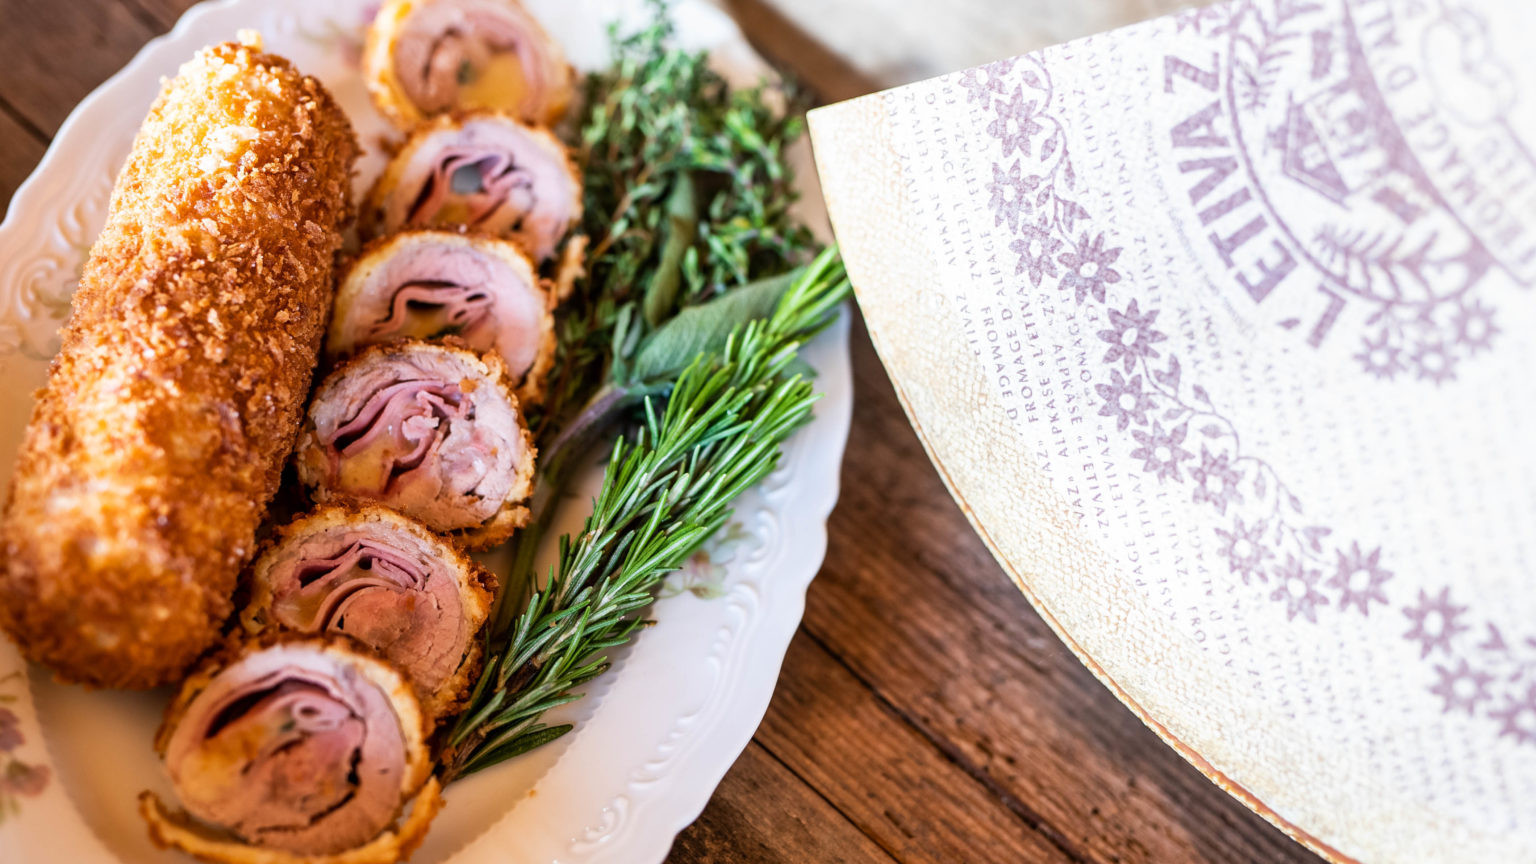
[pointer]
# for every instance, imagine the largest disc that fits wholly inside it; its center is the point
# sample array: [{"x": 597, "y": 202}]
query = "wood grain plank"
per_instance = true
[
  {"x": 764, "y": 814},
  {"x": 912, "y": 601},
  {"x": 878, "y": 771},
  {"x": 57, "y": 52},
  {"x": 20, "y": 151}
]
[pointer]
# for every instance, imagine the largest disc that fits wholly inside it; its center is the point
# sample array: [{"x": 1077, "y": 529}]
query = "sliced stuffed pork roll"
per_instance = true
[
  {"x": 431, "y": 430},
  {"x": 482, "y": 172},
  {"x": 308, "y": 751},
  {"x": 429, "y": 57},
  {"x": 384, "y": 580},
  {"x": 426, "y": 284}
]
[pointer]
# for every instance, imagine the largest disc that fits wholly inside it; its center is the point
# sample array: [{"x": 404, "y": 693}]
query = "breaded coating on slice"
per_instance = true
[
  {"x": 480, "y": 172},
  {"x": 295, "y": 751},
  {"x": 430, "y": 429},
  {"x": 427, "y": 284},
  {"x": 161, "y": 433},
  {"x": 429, "y": 57},
  {"x": 388, "y": 582}
]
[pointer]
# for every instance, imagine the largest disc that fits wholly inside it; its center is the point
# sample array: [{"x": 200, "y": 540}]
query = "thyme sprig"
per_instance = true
[
  {"x": 718, "y": 431},
  {"x": 687, "y": 195}
]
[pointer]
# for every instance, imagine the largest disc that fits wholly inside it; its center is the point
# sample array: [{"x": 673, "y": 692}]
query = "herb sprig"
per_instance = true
[
  {"x": 718, "y": 432},
  {"x": 686, "y": 195}
]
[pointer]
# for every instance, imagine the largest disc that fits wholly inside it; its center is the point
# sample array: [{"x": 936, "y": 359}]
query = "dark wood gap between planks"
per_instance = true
[
  {"x": 883, "y": 775},
  {"x": 824, "y": 799},
  {"x": 897, "y": 714},
  {"x": 764, "y": 814},
  {"x": 165, "y": 12},
  {"x": 20, "y": 151},
  {"x": 949, "y": 751},
  {"x": 21, "y": 120},
  {"x": 787, "y": 46},
  {"x": 58, "y": 52}
]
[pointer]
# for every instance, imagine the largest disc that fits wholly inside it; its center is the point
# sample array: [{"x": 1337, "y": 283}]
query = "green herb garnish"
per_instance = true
[
  {"x": 686, "y": 202},
  {"x": 690, "y": 319},
  {"x": 718, "y": 432},
  {"x": 686, "y": 195}
]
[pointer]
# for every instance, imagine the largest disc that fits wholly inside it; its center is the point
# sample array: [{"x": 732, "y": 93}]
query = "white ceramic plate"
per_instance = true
[{"x": 653, "y": 737}]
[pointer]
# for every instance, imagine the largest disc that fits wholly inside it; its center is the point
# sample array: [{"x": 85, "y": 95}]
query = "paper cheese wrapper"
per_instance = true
[{"x": 1220, "y": 329}]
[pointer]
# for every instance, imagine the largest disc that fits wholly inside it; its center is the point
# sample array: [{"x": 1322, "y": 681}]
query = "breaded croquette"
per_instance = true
[{"x": 163, "y": 428}]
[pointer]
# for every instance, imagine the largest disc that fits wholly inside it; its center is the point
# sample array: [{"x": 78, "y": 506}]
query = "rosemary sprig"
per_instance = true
[{"x": 717, "y": 432}]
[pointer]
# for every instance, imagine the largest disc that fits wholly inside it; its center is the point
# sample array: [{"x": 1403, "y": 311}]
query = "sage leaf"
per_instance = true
[
  {"x": 682, "y": 227},
  {"x": 704, "y": 328}
]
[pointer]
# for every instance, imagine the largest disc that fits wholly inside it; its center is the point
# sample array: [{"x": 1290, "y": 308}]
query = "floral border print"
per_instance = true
[
  {"x": 1181, "y": 436},
  {"x": 18, "y": 779}
]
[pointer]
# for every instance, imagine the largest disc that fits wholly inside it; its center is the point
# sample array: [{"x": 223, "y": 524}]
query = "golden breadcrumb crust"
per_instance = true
[
  {"x": 573, "y": 266},
  {"x": 386, "y": 89},
  {"x": 160, "y": 435},
  {"x": 419, "y": 791},
  {"x": 174, "y": 829},
  {"x": 384, "y": 85},
  {"x": 377, "y": 252},
  {"x": 477, "y": 589},
  {"x": 313, "y": 467}
]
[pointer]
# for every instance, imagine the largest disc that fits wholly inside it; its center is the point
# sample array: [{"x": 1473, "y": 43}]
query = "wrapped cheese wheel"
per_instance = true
[
  {"x": 299, "y": 751},
  {"x": 481, "y": 172},
  {"x": 428, "y": 57},
  {"x": 386, "y": 581},
  {"x": 431, "y": 430},
  {"x": 427, "y": 284},
  {"x": 171, "y": 409}
]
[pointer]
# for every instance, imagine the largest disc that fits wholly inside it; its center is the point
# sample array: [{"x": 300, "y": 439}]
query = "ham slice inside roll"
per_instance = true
[
  {"x": 386, "y": 581},
  {"x": 306, "y": 747},
  {"x": 427, "y": 284},
  {"x": 427, "y": 429},
  {"x": 428, "y": 57},
  {"x": 483, "y": 172}
]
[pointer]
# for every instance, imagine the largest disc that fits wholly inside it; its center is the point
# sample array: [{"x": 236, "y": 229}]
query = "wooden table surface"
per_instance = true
[{"x": 925, "y": 712}]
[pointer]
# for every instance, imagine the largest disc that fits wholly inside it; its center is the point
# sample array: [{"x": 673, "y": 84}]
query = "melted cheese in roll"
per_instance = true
[
  {"x": 386, "y": 581},
  {"x": 484, "y": 173},
  {"x": 428, "y": 429},
  {"x": 428, "y": 57},
  {"x": 299, "y": 751},
  {"x": 427, "y": 284}
]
